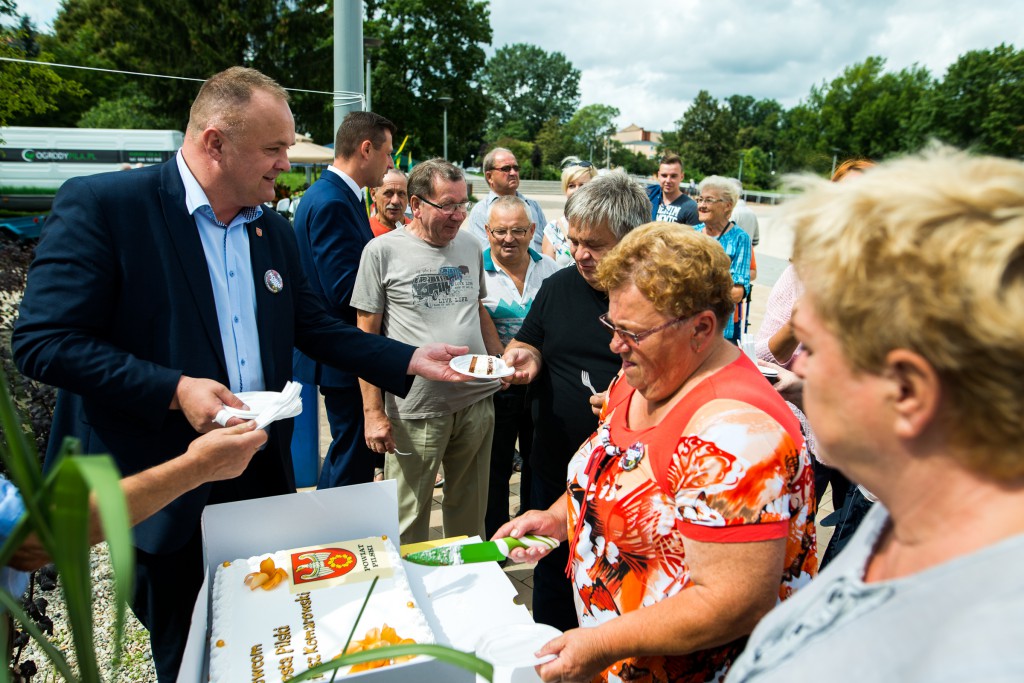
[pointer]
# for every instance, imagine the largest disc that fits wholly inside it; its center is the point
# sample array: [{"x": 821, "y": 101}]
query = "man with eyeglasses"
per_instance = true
[
  {"x": 514, "y": 273},
  {"x": 502, "y": 173},
  {"x": 426, "y": 281},
  {"x": 669, "y": 203},
  {"x": 561, "y": 337}
]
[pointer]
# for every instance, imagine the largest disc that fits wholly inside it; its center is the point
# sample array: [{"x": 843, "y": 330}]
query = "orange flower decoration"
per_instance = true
[
  {"x": 378, "y": 638},
  {"x": 267, "y": 578}
]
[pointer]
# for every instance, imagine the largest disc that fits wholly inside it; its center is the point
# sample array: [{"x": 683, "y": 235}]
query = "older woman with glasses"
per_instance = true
[
  {"x": 689, "y": 513},
  {"x": 717, "y": 198},
  {"x": 575, "y": 174}
]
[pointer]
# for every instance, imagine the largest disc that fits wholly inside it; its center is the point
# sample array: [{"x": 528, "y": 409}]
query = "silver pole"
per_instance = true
[
  {"x": 348, "y": 58},
  {"x": 369, "y": 99},
  {"x": 445, "y": 101}
]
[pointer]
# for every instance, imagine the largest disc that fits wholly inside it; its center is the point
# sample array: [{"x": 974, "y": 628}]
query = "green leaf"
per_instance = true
[
  {"x": 104, "y": 479},
  {"x": 20, "y": 455},
  {"x": 463, "y": 660},
  {"x": 70, "y": 519},
  {"x": 5, "y": 637},
  {"x": 13, "y": 606}
]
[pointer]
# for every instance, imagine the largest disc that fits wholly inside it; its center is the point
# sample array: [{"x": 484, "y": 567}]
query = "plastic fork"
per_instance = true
[{"x": 585, "y": 378}]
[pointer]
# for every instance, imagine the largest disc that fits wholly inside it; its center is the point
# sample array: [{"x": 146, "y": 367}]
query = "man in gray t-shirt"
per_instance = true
[{"x": 425, "y": 281}]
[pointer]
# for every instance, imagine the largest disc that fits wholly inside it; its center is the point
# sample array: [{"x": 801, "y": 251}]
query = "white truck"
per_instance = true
[{"x": 35, "y": 162}]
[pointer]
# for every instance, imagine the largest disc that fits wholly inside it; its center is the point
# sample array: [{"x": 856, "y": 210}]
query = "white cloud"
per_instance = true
[{"x": 649, "y": 58}]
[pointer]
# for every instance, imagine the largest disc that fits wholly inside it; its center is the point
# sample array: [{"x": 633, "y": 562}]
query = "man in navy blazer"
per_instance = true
[
  {"x": 331, "y": 228},
  {"x": 157, "y": 293}
]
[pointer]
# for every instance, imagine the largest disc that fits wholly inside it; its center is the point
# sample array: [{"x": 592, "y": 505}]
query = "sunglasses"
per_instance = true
[
  {"x": 507, "y": 169},
  {"x": 572, "y": 164}
]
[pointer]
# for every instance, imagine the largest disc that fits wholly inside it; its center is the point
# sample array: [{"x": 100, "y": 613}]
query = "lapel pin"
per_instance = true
[
  {"x": 259, "y": 232},
  {"x": 272, "y": 279}
]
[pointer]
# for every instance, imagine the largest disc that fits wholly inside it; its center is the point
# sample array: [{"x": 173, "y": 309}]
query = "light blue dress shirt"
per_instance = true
[{"x": 234, "y": 292}]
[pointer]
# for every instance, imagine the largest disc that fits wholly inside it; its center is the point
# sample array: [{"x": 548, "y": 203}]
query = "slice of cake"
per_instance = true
[{"x": 269, "y": 625}]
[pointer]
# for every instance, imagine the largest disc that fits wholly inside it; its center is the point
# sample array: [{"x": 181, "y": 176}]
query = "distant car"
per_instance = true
[{"x": 475, "y": 170}]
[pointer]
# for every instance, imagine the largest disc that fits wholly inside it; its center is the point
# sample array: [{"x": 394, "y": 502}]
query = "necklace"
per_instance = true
[
  {"x": 719, "y": 235},
  {"x": 629, "y": 460}
]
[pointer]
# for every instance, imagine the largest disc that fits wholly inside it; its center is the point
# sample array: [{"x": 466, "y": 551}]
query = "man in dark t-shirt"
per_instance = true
[
  {"x": 669, "y": 203},
  {"x": 561, "y": 337}
]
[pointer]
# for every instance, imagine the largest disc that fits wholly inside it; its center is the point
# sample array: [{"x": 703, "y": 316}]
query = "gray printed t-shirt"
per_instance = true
[{"x": 426, "y": 294}]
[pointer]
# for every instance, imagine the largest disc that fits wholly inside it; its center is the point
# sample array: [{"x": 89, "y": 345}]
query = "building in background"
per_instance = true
[{"x": 637, "y": 140}]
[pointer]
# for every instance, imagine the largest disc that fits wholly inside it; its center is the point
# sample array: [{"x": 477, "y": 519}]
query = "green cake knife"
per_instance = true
[{"x": 485, "y": 551}]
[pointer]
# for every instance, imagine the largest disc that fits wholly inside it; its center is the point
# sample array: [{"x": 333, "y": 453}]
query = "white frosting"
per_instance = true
[{"x": 258, "y": 631}]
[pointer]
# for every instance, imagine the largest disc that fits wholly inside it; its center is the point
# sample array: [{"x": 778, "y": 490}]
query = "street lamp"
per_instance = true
[
  {"x": 739, "y": 177},
  {"x": 835, "y": 158},
  {"x": 368, "y": 45},
  {"x": 771, "y": 163},
  {"x": 445, "y": 101}
]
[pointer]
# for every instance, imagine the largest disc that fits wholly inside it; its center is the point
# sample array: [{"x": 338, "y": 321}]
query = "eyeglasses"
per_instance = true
[
  {"x": 447, "y": 209},
  {"x": 637, "y": 337},
  {"x": 572, "y": 164},
  {"x": 502, "y": 233},
  {"x": 709, "y": 200},
  {"x": 507, "y": 169}
]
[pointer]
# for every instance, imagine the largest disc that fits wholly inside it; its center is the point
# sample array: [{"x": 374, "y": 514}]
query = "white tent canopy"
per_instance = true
[{"x": 305, "y": 151}]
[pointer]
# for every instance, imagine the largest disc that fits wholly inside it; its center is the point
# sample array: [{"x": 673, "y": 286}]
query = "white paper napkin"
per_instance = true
[{"x": 265, "y": 406}]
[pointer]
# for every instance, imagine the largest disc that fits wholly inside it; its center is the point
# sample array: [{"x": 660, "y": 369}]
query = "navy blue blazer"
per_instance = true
[
  {"x": 332, "y": 229},
  {"x": 119, "y": 305}
]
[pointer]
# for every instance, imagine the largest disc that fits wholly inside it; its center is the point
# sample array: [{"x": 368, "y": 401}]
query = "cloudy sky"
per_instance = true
[{"x": 649, "y": 58}]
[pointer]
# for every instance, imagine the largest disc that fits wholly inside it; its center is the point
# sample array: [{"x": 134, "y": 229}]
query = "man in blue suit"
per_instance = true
[
  {"x": 157, "y": 294},
  {"x": 332, "y": 227}
]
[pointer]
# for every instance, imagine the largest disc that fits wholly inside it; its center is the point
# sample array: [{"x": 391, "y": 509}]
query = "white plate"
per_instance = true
[
  {"x": 511, "y": 649},
  {"x": 258, "y": 401},
  {"x": 462, "y": 363}
]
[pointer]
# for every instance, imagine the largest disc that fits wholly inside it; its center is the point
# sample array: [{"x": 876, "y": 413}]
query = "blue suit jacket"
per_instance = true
[
  {"x": 119, "y": 305},
  {"x": 331, "y": 228}
]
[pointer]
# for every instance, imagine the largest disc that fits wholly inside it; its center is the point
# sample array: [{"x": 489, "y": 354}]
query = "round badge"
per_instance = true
[
  {"x": 272, "y": 279},
  {"x": 631, "y": 458}
]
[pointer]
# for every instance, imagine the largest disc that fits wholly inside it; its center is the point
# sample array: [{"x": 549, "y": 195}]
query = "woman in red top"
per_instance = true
[{"x": 690, "y": 512}]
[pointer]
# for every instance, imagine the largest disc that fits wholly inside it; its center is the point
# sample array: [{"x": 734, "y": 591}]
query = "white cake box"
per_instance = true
[{"x": 460, "y": 602}]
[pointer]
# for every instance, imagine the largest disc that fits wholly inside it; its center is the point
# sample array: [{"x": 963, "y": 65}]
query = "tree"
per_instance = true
[
  {"x": 980, "y": 102},
  {"x": 757, "y": 121},
  {"x": 755, "y": 168},
  {"x": 555, "y": 144},
  {"x": 590, "y": 127},
  {"x": 134, "y": 110},
  {"x": 196, "y": 39},
  {"x": 431, "y": 50},
  {"x": 867, "y": 112},
  {"x": 799, "y": 141},
  {"x": 527, "y": 85},
  {"x": 27, "y": 90},
  {"x": 708, "y": 134}
]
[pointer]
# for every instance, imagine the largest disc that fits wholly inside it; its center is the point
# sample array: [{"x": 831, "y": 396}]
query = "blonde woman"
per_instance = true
[{"x": 575, "y": 174}]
